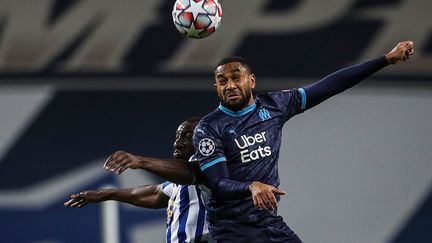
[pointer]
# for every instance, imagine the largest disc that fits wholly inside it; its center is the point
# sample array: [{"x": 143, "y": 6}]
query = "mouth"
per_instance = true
[
  {"x": 177, "y": 154},
  {"x": 231, "y": 96}
]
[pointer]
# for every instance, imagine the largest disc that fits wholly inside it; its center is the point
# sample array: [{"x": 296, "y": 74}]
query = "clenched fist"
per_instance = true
[{"x": 401, "y": 52}]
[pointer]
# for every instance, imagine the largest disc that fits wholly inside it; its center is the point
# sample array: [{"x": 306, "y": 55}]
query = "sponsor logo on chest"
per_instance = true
[{"x": 247, "y": 154}]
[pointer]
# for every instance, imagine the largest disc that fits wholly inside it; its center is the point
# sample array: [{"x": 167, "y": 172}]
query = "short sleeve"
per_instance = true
[
  {"x": 209, "y": 146},
  {"x": 167, "y": 188}
]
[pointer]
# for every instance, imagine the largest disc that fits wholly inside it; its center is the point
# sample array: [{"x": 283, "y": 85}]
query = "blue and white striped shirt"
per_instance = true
[{"x": 186, "y": 214}]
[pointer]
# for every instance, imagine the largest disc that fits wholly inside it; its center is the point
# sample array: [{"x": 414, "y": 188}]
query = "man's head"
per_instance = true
[
  {"x": 234, "y": 82},
  {"x": 183, "y": 146}
]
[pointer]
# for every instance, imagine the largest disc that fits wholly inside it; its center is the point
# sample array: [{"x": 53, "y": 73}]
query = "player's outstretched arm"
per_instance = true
[
  {"x": 345, "y": 78},
  {"x": 149, "y": 196},
  {"x": 174, "y": 170}
]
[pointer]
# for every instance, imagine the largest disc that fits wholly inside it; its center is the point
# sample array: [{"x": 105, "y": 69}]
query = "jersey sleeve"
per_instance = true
[
  {"x": 209, "y": 149},
  {"x": 167, "y": 188},
  {"x": 341, "y": 80},
  {"x": 291, "y": 101}
]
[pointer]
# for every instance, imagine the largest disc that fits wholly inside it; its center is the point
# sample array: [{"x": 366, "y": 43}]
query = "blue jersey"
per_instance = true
[{"x": 249, "y": 141}]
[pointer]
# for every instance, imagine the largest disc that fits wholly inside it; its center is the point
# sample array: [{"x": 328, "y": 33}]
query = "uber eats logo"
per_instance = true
[{"x": 245, "y": 142}]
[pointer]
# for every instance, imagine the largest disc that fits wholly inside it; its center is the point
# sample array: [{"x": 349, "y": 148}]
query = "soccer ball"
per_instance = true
[{"x": 197, "y": 18}]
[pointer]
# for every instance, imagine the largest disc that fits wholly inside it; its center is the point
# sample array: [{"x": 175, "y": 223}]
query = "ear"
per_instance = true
[
  {"x": 215, "y": 85},
  {"x": 252, "y": 80}
]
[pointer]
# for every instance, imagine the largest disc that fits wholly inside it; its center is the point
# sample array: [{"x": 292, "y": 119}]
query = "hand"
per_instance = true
[
  {"x": 120, "y": 161},
  {"x": 263, "y": 195},
  {"x": 401, "y": 52},
  {"x": 83, "y": 198}
]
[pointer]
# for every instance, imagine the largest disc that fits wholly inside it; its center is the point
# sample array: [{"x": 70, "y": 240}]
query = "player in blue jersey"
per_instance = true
[
  {"x": 186, "y": 215},
  {"x": 238, "y": 145}
]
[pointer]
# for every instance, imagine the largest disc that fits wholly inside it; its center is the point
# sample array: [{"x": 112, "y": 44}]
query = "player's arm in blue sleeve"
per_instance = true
[
  {"x": 224, "y": 188},
  {"x": 339, "y": 81},
  {"x": 212, "y": 162}
]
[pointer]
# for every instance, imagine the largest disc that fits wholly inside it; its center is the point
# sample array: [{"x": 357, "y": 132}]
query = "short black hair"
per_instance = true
[{"x": 229, "y": 59}]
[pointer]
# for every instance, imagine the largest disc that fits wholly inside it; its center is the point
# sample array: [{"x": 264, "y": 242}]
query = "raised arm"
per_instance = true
[
  {"x": 345, "y": 78},
  {"x": 149, "y": 196},
  {"x": 174, "y": 170}
]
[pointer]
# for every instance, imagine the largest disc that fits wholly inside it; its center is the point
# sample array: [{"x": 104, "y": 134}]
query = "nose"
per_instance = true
[
  {"x": 178, "y": 143},
  {"x": 231, "y": 84}
]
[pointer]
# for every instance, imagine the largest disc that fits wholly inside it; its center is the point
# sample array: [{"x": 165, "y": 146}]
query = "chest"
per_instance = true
[{"x": 246, "y": 141}]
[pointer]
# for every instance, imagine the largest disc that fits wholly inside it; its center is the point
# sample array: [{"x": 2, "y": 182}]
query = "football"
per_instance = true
[{"x": 197, "y": 18}]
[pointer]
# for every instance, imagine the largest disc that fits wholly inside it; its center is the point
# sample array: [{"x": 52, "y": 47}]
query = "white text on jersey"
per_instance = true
[{"x": 247, "y": 141}]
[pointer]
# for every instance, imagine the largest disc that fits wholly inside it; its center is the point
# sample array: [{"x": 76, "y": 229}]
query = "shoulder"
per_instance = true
[
  {"x": 280, "y": 97},
  {"x": 211, "y": 117},
  {"x": 209, "y": 123},
  {"x": 271, "y": 95}
]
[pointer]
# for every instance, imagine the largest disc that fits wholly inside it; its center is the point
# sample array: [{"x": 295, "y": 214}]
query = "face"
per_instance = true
[
  {"x": 183, "y": 146},
  {"x": 234, "y": 84}
]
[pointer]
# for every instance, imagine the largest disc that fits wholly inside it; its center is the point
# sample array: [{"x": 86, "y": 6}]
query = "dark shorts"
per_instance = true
[{"x": 270, "y": 230}]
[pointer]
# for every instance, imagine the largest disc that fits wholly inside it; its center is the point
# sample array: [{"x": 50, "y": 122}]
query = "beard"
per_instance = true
[{"x": 238, "y": 104}]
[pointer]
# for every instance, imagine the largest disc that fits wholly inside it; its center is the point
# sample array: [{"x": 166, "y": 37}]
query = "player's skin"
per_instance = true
[
  {"x": 177, "y": 170},
  {"x": 148, "y": 196},
  {"x": 234, "y": 84}
]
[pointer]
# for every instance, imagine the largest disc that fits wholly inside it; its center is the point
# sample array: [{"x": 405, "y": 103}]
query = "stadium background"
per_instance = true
[{"x": 83, "y": 78}]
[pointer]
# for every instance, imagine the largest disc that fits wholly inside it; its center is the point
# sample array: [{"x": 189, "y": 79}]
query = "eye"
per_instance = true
[
  {"x": 222, "y": 81},
  {"x": 236, "y": 77}
]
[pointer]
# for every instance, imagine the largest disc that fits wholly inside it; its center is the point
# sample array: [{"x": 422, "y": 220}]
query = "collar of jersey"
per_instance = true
[{"x": 237, "y": 113}]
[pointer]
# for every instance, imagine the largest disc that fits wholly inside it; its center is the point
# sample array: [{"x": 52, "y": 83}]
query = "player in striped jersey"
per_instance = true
[{"x": 186, "y": 215}]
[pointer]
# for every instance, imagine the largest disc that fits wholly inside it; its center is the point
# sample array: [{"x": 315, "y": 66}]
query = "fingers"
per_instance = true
[
  {"x": 407, "y": 54},
  {"x": 117, "y": 162},
  {"x": 401, "y": 52},
  {"x": 273, "y": 200},
  {"x": 69, "y": 203},
  {"x": 265, "y": 202},
  {"x": 408, "y": 50},
  {"x": 119, "y": 166},
  {"x": 79, "y": 203},
  {"x": 278, "y": 191},
  {"x": 267, "y": 199},
  {"x": 76, "y": 202},
  {"x": 408, "y": 44},
  {"x": 257, "y": 197},
  {"x": 108, "y": 161},
  {"x": 257, "y": 201},
  {"x": 270, "y": 202},
  {"x": 122, "y": 168},
  {"x": 112, "y": 158}
]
